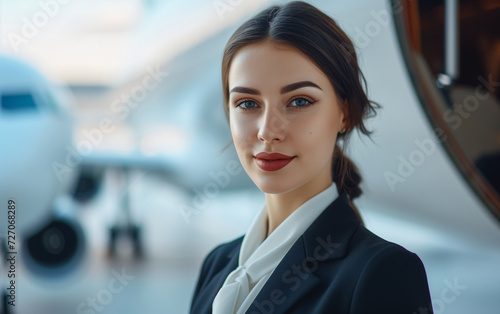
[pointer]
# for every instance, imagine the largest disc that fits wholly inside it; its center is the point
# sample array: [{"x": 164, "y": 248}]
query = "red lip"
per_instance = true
[
  {"x": 273, "y": 156},
  {"x": 272, "y": 162}
]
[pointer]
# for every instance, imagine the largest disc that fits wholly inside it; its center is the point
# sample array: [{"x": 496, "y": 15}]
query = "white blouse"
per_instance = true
[{"x": 259, "y": 256}]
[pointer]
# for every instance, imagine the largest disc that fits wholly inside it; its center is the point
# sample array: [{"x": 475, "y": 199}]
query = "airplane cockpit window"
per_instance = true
[
  {"x": 452, "y": 51},
  {"x": 17, "y": 102}
]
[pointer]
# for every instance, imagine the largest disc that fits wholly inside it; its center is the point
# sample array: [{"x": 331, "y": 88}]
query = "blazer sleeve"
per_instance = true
[{"x": 392, "y": 282}]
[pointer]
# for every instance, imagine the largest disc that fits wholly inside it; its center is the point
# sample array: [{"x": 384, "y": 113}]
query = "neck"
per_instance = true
[{"x": 280, "y": 206}]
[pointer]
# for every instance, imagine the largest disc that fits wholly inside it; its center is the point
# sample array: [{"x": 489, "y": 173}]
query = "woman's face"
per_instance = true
[{"x": 280, "y": 102}]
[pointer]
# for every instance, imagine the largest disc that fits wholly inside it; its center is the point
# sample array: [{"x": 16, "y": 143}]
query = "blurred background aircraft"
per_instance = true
[{"x": 112, "y": 136}]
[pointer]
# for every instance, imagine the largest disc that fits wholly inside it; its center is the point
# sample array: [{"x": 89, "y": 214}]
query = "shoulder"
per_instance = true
[
  {"x": 367, "y": 243},
  {"x": 222, "y": 252},
  {"x": 213, "y": 263},
  {"x": 217, "y": 259},
  {"x": 376, "y": 253},
  {"x": 390, "y": 279}
]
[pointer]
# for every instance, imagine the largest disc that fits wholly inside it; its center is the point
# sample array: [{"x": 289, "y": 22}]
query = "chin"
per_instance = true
[{"x": 271, "y": 187}]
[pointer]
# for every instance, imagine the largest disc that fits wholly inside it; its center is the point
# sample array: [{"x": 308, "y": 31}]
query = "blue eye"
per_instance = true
[
  {"x": 247, "y": 104},
  {"x": 301, "y": 103},
  {"x": 297, "y": 103}
]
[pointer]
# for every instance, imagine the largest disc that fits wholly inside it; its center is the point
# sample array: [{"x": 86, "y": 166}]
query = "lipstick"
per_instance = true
[{"x": 272, "y": 162}]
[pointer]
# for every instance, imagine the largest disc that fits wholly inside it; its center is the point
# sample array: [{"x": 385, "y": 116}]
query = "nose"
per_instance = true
[{"x": 272, "y": 126}]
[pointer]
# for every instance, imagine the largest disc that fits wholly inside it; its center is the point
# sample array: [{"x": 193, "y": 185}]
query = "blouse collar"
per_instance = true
[{"x": 255, "y": 243}]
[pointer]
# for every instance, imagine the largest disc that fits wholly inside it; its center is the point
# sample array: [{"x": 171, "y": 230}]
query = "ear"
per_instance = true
[{"x": 344, "y": 123}]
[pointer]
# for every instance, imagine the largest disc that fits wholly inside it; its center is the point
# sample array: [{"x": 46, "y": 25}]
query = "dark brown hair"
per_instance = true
[{"x": 314, "y": 33}]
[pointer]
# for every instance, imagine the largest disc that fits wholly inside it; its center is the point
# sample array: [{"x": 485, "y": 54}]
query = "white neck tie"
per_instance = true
[{"x": 232, "y": 295}]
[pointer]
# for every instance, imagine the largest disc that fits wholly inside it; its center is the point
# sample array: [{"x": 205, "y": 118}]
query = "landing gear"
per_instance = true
[
  {"x": 131, "y": 233},
  {"x": 125, "y": 229}
]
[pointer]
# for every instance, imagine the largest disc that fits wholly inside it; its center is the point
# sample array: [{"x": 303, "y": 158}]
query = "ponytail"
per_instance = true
[{"x": 346, "y": 176}]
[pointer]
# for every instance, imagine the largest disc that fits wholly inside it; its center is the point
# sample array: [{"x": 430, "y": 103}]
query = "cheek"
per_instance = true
[
  {"x": 241, "y": 130},
  {"x": 316, "y": 134}
]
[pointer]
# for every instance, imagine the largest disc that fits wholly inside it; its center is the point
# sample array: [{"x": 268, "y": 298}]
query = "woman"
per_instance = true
[{"x": 292, "y": 88}]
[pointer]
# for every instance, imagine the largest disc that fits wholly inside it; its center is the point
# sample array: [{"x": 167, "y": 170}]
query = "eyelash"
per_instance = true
[{"x": 310, "y": 100}]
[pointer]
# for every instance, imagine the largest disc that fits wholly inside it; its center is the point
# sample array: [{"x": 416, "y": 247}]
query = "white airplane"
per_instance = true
[{"x": 36, "y": 129}]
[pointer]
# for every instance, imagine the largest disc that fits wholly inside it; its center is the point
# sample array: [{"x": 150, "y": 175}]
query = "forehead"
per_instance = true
[{"x": 268, "y": 62}]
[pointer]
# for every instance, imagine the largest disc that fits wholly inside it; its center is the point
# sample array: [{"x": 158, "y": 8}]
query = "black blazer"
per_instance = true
[{"x": 336, "y": 266}]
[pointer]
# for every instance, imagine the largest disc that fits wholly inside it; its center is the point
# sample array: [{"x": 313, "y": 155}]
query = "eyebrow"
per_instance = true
[{"x": 285, "y": 89}]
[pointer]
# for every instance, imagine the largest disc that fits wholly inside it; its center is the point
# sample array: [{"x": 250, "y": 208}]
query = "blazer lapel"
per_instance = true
[{"x": 327, "y": 238}]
